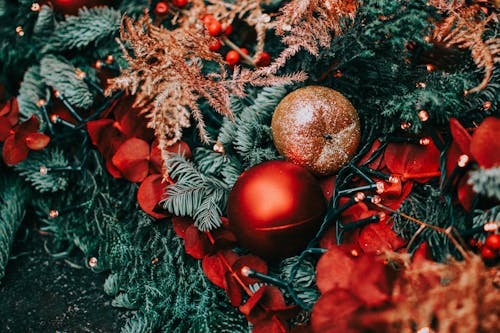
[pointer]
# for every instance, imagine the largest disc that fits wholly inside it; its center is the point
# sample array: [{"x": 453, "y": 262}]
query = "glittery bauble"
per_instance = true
[
  {"x": 71, "y": 7},
  {"x": 317, "y": 128},
  {"x": 275, "y": 208}
]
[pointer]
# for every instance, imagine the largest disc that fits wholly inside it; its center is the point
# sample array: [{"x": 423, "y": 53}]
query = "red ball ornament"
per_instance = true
[
  {"x": 161, "y": 8},
  {"x": 275, "y": 208},
  {"x": 71, "y": 7},
  {"x": 214, "y": 28},
  {"x": 493, "y": 242}
]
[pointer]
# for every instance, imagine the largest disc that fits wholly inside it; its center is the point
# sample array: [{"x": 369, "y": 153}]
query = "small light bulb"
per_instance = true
[
  {"x": 463, "y": 160},
  {"x": 354, "y": 253},
  {"x": 421, "y": 85},
  {"x": 80, "y": 74},
  {"x": 53, "y": 213},
  {"x": 490, "y": 227},
  {"x": 423, "y": 115},
  {"x": 35, "y": 6},
  {"x": 19, "y": 31},
  {"x": 41, "y": 102},
  {"x": 380, "y": 187},
  {"x": 93, "y": 262},
  {"x": 43, "y": 170},
  {"x": 54, "y": 118},
  {"x": 430, "y": 67},
  {"x": 110, "y": 59},
  {"x": 246, "y": 271},
  {"x": 360, "y": 196},
  {"x": 376, "y": 199},
  {"x": 154, "y": 261},
  {"x": 425, "y": 141},
  {"x": 487, "y": 105},
  {"x": 405, "y": 125},
  {"x": 219, "y": 148}
]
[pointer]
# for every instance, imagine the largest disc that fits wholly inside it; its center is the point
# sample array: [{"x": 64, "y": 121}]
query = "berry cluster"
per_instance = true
[
  {"x": 491, "y": 248},
  {"x": 221, "y": 33},
  {"x": 162, "y": 8}
]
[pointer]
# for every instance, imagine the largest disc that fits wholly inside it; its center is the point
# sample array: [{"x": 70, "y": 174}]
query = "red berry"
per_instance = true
[
  {"x": 232, "y": 57},
  {"x": 207, "y": 19},
  {"x": 493, "y": 242},
  {"x": 228, "y": 30},
  {"x": 215, "y": 46},
  {"x": 244, "y": 50},
  {"x": 180, "y": 3},
  {"x": 487, "y": 253},
  {"x": 161, "y": 8},
  {"x": 264, "y": 59},
  {"x": 214, "y": 28}
]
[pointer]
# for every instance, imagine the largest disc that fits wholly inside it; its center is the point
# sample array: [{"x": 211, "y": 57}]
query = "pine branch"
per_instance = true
[
  {"x": 195, "y": 194},
  {"x": 32, "y": 89},
  {"x": 90, "y": 26},
  {"x": 486, "y": 182},
  {"x": 44, "y": 182},
  {"x": 12, "y": 209},
  {"x": 45, "y": 23},
  {"x": 60, "y": 75}
]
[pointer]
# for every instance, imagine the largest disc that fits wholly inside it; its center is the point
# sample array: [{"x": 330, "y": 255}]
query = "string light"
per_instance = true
[
  {"x": 463, "y": 160},
  {"x": 430, "y": 67},
  {"x": 393, "y": 179},
  {"x": 423, "y": 115},
  {"x": 405, "y": 125},
  {"x": 53, "y": 214},
  {"x": 487, "y": 105},
  {"x": 155, "y": 261},
  {"x": 422, "y": 85},
  {"x": 376, "y": 199},
  {"x": 19, "y": 31},
  {"x": 380, "y": 187},
  {"x": 35, "y": 6},
  {"x": 360, "y": 196},
  {"x": 110, "y": 59},
  {"x": 490, "y": 227},
  {"x": 218, "y": 147},
  {"x": 354, "y": 253},
  {"x": 425, "y": 141},
  {"x": 43, "y": 170},
  {"x": 93, "y": 262}
]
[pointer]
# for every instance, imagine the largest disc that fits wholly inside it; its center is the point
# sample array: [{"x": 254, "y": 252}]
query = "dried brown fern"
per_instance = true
[
  {"x": 464, "y": 27},
  {"x": 167, "y": 68},
  {"x": 457, "y": 297},
  {"x": 310, "y": 25}
]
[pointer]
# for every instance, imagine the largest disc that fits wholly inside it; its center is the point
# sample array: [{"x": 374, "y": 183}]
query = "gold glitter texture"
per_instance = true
[{"x": 317, "y": 128}]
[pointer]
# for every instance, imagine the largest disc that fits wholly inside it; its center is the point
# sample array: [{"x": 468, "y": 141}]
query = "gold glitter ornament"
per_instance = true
[{"x": 316, "y": 128}]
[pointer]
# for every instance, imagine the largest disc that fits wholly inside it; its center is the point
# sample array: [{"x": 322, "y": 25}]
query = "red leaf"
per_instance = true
[
  {"x": 233, "y": 289},
  {"x": 105, "y": 137},
  {"x": 29, "y": 126},
  {"x": 269, "y": 298},
  {"x": 14, "y": 151},
  {"x": 255, "y": 263},
  {"x": 377, "y": 163},
  {"x": 378, "y": 237},
  {"x": 132, "y": 159},
  {"x": 215, "y": 268},
  {"x": 197, "y": 243},
  {"x": 113, "y": 171},
  {"x": 5, "y": 130},
  {"x": 334, "y": 269},
  {"x": 37, "y": 141},
  {"x": 422, "y": 254},
  {"x": 156, "y": 160},
  {"x": 395, "y": 202},
  {"x": 224, "y": 238},
  {"x": 465, "y": 193},
  {"x": 131, "y": 122},
  {"x": 409, "y": 160},
  {"x": 180, "y": 224},
  {"x": 485, "y": 145},
  {"x": 181, "y": 148},
  {"x": 460, "y": 136},
  {"x": 370, "y": 281},
  {"x": 333, "y": 311},
  {"x": 10, "y": 112},
  {"x": 150, "y": 193}
]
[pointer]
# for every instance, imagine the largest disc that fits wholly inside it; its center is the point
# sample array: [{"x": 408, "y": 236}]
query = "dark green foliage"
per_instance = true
[
  {"x": 13, "y": 199},
  {"x": 89, "y": 27},
  {"x": 484, "y": 217},
  {"x": 305, "y": 279},
  {"x": 426, "y": 204},
  {"x": 32, "y": 89},
  {"x": 59, "y": 74},
  {"x": 49, "y": 182}
]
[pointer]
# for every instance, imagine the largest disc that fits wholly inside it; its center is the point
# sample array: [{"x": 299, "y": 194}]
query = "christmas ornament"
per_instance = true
[
  {"x": 275, "y": 208},
  {"x": 71, "y": 7},
  {"x": 317, "y": 128}
]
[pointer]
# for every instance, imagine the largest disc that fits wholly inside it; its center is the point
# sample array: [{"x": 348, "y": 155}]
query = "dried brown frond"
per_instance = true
[
  {"x": 310, "y": 25},
  {"x": 167, "y": 68},
  {"x": 456, "y": 297},
  {"x": 464, "y": 27}
]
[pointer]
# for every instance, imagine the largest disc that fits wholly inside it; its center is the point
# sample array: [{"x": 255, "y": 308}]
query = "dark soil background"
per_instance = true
[{"x": 40, "y": 294}]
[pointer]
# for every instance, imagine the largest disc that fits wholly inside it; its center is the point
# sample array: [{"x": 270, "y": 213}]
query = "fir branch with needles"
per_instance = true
[
  {"x": 486, "y": 182},
  {"x": 201, "y": 196}
]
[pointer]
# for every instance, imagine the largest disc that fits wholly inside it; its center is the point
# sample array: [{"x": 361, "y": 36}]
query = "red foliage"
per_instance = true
[{"x": 411, "y": 161}]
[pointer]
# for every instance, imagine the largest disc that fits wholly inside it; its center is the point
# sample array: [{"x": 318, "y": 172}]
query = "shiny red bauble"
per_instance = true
[
  {"x": 275, "y": 208},
  {"x": 71, "y": 7}
]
